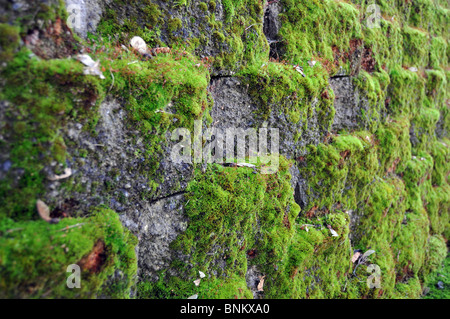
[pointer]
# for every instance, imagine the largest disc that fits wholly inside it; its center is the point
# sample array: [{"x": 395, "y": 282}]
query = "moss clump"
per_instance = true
[
  {"x": 304, "y": 37},
  {"x": 174, "y": 24},
  {"x": 394, "y": 144},
  {"x": 416, "y": 43},
  {"x": 239, "y": 212},
  {"x": 212, "y": 5},
  {"x": 152, "y": 14},
  {"x": 35, "y": 256},
  {"x": 9, "y": 41},
  {"x": 278, "y": 87},
  {"x": 203, "y": 6},
  {"x": 219, "y": 36},
  {"x": 243, "y": 45},
  {"x": 42, "y": 92},
  {"x": 406, "y": 92},
  {"x": 162, "y": 94},
  {"x": 442, "y": 274}
]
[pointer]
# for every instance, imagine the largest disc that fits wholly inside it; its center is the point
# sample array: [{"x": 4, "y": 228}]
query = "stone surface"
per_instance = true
[
  {"x": 112, "y": 173},
  {"x": 156, "y": 226},
  {"x": 84, "y": 15},
  {"x": 253, "y": 277},
  {"x": 348, "y": 104}
]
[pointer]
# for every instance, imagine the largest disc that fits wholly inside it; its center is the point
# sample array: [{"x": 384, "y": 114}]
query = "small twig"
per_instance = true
[
  {"x": 249, "y": 27},
  {"x": 73, "y": 226},
  {"x": 112, "y": 84},
  {"x": 13, "y": 230}
]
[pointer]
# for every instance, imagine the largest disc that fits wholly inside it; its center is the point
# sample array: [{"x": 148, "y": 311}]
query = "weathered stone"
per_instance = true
[
  {"x": 348, "y": 104},
  {"x": 253, "y": 277},
  {"x": 84, "y": 15}
]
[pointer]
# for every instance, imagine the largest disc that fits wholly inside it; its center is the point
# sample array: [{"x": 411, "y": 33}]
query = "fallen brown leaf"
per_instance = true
[
  {"x": 43, "y": 210},
  {"x": 261, "y": 283}
]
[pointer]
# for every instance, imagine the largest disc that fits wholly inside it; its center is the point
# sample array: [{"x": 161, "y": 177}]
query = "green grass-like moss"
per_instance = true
[{"x": 34, "y": 256}]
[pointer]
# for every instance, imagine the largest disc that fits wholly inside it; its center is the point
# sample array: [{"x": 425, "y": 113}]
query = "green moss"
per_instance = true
[
  {"x": 9, "y": 41},
  {"x": 152, "y": 14},
  {"x": 438, "y": 52},
  {"x": 233, "y": 287},
  {"x": 406, "y": 92},
  {"x": 219, "y": 36},
  {"x": 395, "y": 192},
  {"x": 374, "y": 87},
  {"x": 348, "y": 160},
  {"x": 203, "y": 6},
  {"x": 278, "y": 87},
  {"x": 212, "y": 5},
  {"x": 441, "y": 275},
  {"x": 174, "y": 24},
  {"x": 304, "y": 37},
  {"x": 394, "y": 144},
  {"x": 42, "y": 93},
  {"x": 229, "y": 8},
  {"x": 416, "y": 43},
  {"x": 35, "y": 256},
  {"x": 236, "y": 208}
]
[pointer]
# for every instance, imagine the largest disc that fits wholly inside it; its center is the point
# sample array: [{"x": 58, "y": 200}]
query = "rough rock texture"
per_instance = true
[
  {"x": 348, "y": 104},
  {"x": 233, "y": 107},
  {"x": 159, "y": 224},
  {"x": 110, "y": 175},
  {"x": 253, "y": 278},
  {"x": 84, "y": 15},
  {"x": 10, "y": 10}
]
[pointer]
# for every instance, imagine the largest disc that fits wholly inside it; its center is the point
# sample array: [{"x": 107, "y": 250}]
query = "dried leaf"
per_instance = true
[
  {"x": 92, "y": 67},
  {"x": 43, "y": 210},
  {"x": 355, "y": 256},
  {"x": 162, "y": 50},
  {"x": 139, "y": 45},
  {"x": 299, "y": 70},
  {"x": 67, "y": 173},
  {"x": 202, "y": 274},
  {"x": 368, "y": 253},
  {"x": 261, "y": 283},
  {"x": 197, "y": 282},
  {"x": 85, "y": 59},
  {"x": 333, "y": 233}
]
